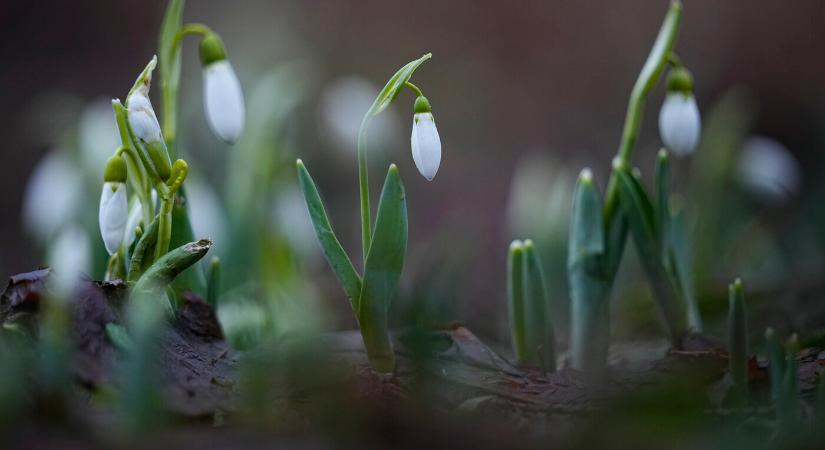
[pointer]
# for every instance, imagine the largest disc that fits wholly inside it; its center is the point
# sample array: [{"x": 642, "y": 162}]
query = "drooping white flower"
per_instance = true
[
  {"x": 426, "y": 145},
  {"x": 114, "y": 211},
  {"x": 679, "y": 123},
  {"x": 767, "y": 168},
  {"x": 223, "y": 101}
]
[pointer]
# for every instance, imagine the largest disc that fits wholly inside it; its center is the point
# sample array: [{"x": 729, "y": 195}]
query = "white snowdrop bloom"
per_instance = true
[
  {"x": 223, "y": 101},
  {"x": 342, "y": 107},
  {"x": 53, "y": 195},
  {"x": 113, "y": 214},
  {"x": 426, "y": 145},
  {"x": 767, "y": 168},
  {"x": 206, "y": 213},
  {"x": 69, "y": 256},
  {"x": 679, "y": 123}
]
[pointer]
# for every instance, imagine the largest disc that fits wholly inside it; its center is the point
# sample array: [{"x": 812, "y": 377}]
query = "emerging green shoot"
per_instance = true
[
  {"x": 531, "y": 326},
  {"x": 738, "y": 343}
]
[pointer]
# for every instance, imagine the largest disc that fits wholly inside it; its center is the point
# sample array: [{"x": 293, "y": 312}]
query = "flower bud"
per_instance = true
[
  {"x": 145, "y": 127},
  {"x": 426, "y": 144},
  {"x": 114, "y": 209},
  {"x": 679, "y": 120}
]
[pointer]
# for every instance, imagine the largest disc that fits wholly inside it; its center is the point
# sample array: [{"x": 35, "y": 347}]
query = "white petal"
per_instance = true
[
  {"x": 113, "y": 213},
  {"x": 142, "y": 118},
  {"x": 679, "y": 123},
  {"x": 426, "y": 145},
  {"x": 223, "y": 101}
]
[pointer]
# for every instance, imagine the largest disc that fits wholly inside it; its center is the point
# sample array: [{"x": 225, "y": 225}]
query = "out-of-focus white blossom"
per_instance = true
[
  {"x": 53, "y": 195},
  {"x": 679, "y": 123},
  {"x": 69, "y": 257},
  {"x": 768, "y": 168}
]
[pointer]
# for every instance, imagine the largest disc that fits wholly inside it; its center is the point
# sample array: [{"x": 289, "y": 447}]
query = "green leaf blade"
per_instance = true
[
  {"x": 382, "y": 271},
  {"x": 333, "y": 251},
  {"x": 394, "y": 85},
  {"x": 516, "y": 302}
]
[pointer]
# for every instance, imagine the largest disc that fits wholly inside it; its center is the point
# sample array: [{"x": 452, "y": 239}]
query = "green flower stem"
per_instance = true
[
  {"x": 135, "y": 163},
  {"x": 776, "y": 359},
  {"x": 414, "y": 88},
  {"x": 364, "y": 188},
  {"x": 652, "y": 70}
]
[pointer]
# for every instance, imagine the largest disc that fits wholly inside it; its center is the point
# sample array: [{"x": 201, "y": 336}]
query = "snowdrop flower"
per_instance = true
[
  {"x": 768, "y": 168},
  {"x": 69, "y": 256},
  {"x": 114, "y": 209},
  {"x": 426, "y": 144},
  {"x": 679, "y": 120},
  {"x": 222, "y": 95},
  {"x": 53, "y": 195},
  {"x": 145, "y": 126}
]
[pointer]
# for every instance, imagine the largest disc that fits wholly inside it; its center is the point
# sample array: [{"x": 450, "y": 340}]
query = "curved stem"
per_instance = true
[
  {"x": 414, "y": 88},
  {"x": 364, "y": 188},
  {"x": 655, "y": 64}
]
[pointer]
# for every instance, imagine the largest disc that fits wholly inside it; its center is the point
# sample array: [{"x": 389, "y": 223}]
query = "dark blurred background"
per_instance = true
[{"x": 507, "y": 79}]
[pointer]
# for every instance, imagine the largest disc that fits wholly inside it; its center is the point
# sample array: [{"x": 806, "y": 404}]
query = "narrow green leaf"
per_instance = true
[
  {"x": 144, "y": 247},
  {"x": 681, "y": 254},
  {"x": 590, "y": 320},
  {"x": 515, "y": 297},
  {"x": 394, "y": 85},
  {"x": 118, "y": 335},
  {"x": 641, "y": 219},
  {"x": 540, "y": 331},
  {"x": 776, "y": 361},
  {"x": 382, "y": 271},
  {"x": 662, "y": 184},
  {"x": 738, "y": 343},
  {"x": 193, "y": 278},
  {"x": 170, "y": 69},
  {"x": 335, "y": 254}
]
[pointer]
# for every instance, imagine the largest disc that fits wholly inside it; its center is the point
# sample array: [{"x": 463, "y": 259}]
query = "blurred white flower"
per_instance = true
[
  {"x": 53, "y": 195},
  {"x": 69, "y": 257},
  {"x": 97, "y": 135},
  {"x": 768, "y": 168},
  {"x": 426, "y": 145},
  {"x": 223, "y": 101},
  {"x": 343, "y": 105},
  {"x": 540, "y": 199},
  {"x": 679, "y": 123},
  {"x": 113, "y": 214}
]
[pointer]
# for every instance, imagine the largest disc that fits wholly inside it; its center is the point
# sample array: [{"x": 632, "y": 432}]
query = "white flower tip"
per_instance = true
[
  {"x": 223, "y": 101},
  {"x": 515, "y": 245},
  {"x": 586, "y": 175},
  {"x": 426, "y": 145},
  {"x": 680, "y": 123}
]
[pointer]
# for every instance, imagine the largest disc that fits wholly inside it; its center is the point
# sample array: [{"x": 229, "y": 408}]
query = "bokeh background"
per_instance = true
[{"x": 515, "y": 86}]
